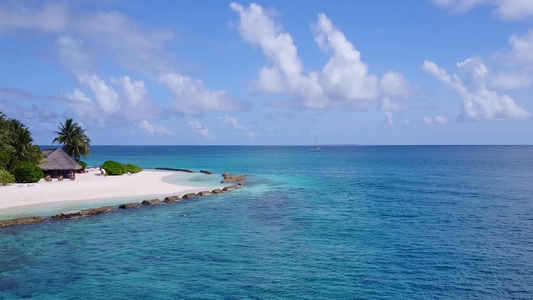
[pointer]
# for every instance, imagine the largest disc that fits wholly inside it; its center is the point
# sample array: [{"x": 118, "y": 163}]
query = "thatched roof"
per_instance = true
[{"x": 57, "y": 159}]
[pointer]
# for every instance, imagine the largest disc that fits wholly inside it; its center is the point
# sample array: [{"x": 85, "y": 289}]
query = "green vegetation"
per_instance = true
[
  {"x": 82, "y": 164},
  {"x": 116, "y": 168},
  {"x": 132, "y": 168},
  {"x": 16, "y": 147},
  {"x": 19, "y": 157},
  {"x": 6, "y": 177},
  {"x": 27, "y": 172},
  {"x": 73, "y": 138}
]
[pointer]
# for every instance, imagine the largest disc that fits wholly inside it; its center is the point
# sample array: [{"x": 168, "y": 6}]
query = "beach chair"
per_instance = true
[
  {"x": 60, "y": 178},
  {"x": 72, "y": 177},
  {"x": 48, "y": 178}
]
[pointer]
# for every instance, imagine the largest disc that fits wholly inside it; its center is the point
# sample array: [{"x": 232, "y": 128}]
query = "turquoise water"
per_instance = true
[{"x": 411, "y": 222}]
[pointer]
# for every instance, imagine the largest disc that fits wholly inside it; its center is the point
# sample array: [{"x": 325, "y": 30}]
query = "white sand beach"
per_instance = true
[{"x": 89, "y": 187}]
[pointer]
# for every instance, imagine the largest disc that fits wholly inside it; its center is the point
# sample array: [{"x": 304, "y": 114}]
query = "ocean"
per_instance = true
[{"x": 351, "y": 222}]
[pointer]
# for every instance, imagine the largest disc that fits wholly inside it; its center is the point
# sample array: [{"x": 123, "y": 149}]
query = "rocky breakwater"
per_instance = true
[
  {"x": 228, "y": 178},
  {"x": 172, "y": 169},
  {"x": 170, "y": 199},
  {"x": 151, "y": 202},
  {"x": 130, "y": 205},
  {"x": 83, "y": 213},
  {"x": 238, "y": 180},
  {"x": 21, "y": 221}
]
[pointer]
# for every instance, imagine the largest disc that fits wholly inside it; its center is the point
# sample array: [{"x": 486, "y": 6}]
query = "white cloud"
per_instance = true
[
  {"x": 51, "y": 18},
  {"x": 479, "y": 103},
  {"x": 522, "y": 49},
  {"x": 106, "y": 103},
  {"x": 113, "y": 35},
  {"x": 152, "y": 129},
  {"x": 79, "y": 97},
  {"x": 191, "y": 96},
  {"x": 344, "y": 75},
  {"x": 257, "y": 28},
  {"x": 390, "y": 118},
  {"x": 510, "y": 81},
  {"x": 514, "y": 10},
  {"x": 133, "y": 92},
  {"x": 72, "y": 55},
  {"x": 441, "y": 120},
  {"x": 436, "y": 120},
  {"x": 343, "y": 80},
  {"x": 394, "y": 84},
  {"x": 459, "y": 5},
  {"x": 388, "y": 105},
  {"x": 131, "y": 45},
  {"x": 200, "y": 129},
  {"x": 105, "y": 95},
  {"x": 233, "y": 122}
]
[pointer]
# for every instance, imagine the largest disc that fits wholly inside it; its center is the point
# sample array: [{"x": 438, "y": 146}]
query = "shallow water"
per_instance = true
[{"x": 433, "y": 222}]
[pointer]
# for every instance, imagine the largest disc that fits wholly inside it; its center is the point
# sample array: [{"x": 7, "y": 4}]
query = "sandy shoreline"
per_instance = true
[{"x": 88, "y": 187}]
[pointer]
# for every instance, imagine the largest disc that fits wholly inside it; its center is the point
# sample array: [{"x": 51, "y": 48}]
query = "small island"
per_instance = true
[{"x": 29, "y": 177}]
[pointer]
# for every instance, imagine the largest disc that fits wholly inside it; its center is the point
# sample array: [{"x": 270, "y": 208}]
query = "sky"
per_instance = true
[{"x": 385, "y": 72}]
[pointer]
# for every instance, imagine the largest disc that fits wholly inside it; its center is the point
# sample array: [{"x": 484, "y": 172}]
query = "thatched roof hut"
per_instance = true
[{"x": 58, "y": 160}]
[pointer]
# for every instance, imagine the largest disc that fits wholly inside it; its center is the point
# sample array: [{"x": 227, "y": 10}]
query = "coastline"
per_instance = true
[{"x": 89, "y": 190}]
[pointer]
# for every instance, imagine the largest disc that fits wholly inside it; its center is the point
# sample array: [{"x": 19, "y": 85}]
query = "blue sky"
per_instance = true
[{"x": 272, "y": 72}]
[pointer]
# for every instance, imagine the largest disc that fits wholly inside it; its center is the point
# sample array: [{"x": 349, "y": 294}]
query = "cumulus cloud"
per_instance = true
[
  {"x": 105, "y": 95},
  {"x": 394, "y": 84},
  {"x": 513, "y": 10},
  {"x": 344, "y": 78},
  {"x": 125, "y": 42},
  {"x": 100, "y": 100},
  {"x": 200, "y": 129},
  {"x": 191, "y": 96},
  {"x": 233, "y": 122},
  {"x": 436, "y": 120},
  {"x": 133, "y": 92},
  {"x": 479, "y": 103},
  {"x": 152, "y": 129},
  {"x": 521, "y": 49},
  {"x": 51, "y": 18}
]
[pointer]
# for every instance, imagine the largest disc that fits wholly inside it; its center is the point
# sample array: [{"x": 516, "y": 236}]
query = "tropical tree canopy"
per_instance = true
[
  {"x": 73, "y": 138},
  {"x": 16, "y": 144}
]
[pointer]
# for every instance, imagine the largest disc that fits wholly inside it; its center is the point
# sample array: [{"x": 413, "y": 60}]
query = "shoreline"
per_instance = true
[{"x": 89, "y": 190}]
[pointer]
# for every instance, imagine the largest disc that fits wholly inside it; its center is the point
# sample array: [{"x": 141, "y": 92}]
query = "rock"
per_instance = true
[
  {"x": 206, "y": 172},
  {"x": 68, "y": 215},
  {"x": 204, "y": 193},
  {"x": 97, "y": 211},
  {"x": 180, "y": 170},
  {"x": 83, "y": 213},
  {"x": 151, "y": 202},
  {"x": 231, "y": 187},
  {"x": 171, "y": 199},
  {"x": 233, "y": 178},
  {"x": 190, "y": 195},
  {"x": 21, "y": 221},
  {"x": 216, "y": 191},
  {"x": 130, "y": 205}
]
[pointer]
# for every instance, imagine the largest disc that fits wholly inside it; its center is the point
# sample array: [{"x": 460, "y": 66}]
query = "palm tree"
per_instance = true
[
  {"x": 19, "y": 145},
  {"x": 73, "y": 138}
]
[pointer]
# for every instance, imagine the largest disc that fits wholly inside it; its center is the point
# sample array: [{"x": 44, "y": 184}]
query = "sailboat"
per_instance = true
[{"x": 316, "y": 148}]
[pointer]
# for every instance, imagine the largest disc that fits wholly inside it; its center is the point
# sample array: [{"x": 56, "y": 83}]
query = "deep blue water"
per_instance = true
[{"x": 352, "y": 222}]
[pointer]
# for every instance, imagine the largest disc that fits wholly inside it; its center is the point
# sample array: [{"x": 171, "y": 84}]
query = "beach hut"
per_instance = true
[{"x": 57, "y": 162}]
